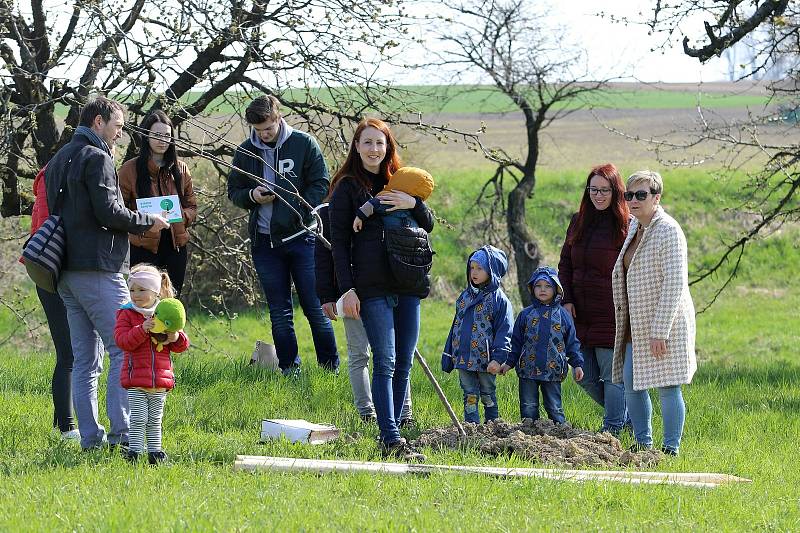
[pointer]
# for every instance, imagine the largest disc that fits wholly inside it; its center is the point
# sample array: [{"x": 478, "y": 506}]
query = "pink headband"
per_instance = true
[{"x": 146, "y": 280}]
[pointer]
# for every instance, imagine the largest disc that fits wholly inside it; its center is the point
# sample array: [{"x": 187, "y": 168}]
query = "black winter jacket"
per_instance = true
[
  {"x": 95, "y": 218},
  {"x": 360, "y": 259},
  {"x": 327, "y": 287}
]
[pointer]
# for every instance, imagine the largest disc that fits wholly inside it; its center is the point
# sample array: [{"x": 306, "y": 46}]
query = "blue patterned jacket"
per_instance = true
[
  {"x": 543, "y": 343},
  {"x": 481, "y": 330}
]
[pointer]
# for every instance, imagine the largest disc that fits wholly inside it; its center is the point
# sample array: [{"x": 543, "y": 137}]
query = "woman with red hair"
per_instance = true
[
  {"x": 390, "y": 316},
  {"x": 594, "y": 239}
]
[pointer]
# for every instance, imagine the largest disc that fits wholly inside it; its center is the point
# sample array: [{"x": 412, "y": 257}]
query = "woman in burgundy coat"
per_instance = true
[{"x": 593, "y": 242}]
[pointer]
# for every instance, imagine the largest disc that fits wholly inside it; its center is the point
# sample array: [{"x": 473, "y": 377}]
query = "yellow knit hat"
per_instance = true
[{"x": 411, "y": 180}]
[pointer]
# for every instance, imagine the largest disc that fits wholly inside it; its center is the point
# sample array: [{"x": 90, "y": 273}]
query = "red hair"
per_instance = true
[
  {"x": 619, "y": 207},
  {"x": 354, "y": 167}
]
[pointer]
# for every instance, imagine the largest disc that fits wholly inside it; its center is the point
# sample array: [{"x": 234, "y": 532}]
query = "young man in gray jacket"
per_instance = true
[
  {"x": 283, "y": 251},
  {"x": 92, "y": 286}
]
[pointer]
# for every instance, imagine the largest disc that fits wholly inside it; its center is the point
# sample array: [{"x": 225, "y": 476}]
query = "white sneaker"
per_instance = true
[{"x": 72, "y": 434}]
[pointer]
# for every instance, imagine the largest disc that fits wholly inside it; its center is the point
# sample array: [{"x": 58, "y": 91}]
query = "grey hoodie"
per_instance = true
[{"x": 270, "y": 155}]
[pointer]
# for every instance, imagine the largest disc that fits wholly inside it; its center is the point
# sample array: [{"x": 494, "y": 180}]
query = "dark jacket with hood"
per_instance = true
[
  {"x": 299, "y": 160},
  {"x": 543, "y": 344},
  {"x": 95, "y": 219},
  {"x": 585, "y": 271},
  {"x": 360, "y": 258},
  {"x": 481, "y": 330}
]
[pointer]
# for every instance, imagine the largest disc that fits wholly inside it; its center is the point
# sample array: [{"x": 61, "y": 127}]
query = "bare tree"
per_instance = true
[
  {"x": 189, "y": 57},
  {"x": 770, "y": 195},
  {"x": 510, "y": 44}
]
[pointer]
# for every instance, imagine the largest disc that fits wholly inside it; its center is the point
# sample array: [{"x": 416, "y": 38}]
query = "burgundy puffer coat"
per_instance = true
[
  {"x": 144, "y": 366},
  {"x": 585, "y": 271}
]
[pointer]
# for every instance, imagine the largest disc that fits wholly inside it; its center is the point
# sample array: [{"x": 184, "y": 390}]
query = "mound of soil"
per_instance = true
[{"x": 541, "y": 441}]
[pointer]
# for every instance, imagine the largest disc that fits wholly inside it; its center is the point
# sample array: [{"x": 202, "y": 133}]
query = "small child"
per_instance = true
[
  {"x": 480, "y": 337},
  {"x": 146, "y": 369},
  {"x": 542, "y": 344},
  {"x": 414, "y": 181}
]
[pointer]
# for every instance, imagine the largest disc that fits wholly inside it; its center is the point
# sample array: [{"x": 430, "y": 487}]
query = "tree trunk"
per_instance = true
[
  {"x": 527, "y": 254},
  {"x": 12, "y": 203}
]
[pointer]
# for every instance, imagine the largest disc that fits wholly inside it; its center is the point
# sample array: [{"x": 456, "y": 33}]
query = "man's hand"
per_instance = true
[
  {"x": 357, "y": 225},
  {"x": 570, "y": 308},
  {"x": 262, "y": 195},
  {"x": 577, "y": 372},
  {"x": 504, "y": 368},
  {"x": 329, "y": 310},
  {"x": 160, "y": 223}
]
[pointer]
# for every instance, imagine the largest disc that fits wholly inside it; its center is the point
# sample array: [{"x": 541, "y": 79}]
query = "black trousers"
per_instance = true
[
  {"x": 168, "y": 258},
  {"x": 56, "y": 313}
]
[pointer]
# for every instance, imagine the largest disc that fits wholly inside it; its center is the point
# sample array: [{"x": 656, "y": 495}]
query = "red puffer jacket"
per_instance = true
[
  {"x": 585, "y": 273},
  {"x": 144, "y": 366},
  {"x": 40, "y": 212}
]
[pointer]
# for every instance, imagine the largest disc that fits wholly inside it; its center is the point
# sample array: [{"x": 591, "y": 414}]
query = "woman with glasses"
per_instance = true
[
  {"x": 655, "y": 334},
  {"x": 157, "y": 171},
  {"x": 594, "y": 239}
]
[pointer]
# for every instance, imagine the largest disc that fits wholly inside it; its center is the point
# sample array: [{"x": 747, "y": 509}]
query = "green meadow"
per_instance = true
[
  {"x": 743, "y": 413},
  {"x": 466, "y": 100}
]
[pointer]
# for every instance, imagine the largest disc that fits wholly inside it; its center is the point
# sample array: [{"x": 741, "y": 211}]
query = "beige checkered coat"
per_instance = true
[{"x": 657, "y": 300}]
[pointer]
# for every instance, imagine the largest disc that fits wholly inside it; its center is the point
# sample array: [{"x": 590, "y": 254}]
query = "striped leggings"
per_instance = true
[{"x": 146, "y": 412}]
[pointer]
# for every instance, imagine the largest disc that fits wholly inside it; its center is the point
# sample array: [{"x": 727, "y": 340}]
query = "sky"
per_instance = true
[
  {"x": 617, "y": 50},
  {"x": 624, "y": 49}
]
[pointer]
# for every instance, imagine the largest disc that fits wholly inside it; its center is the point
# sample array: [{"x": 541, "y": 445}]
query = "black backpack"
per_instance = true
[{"x": 410, "y": 258}]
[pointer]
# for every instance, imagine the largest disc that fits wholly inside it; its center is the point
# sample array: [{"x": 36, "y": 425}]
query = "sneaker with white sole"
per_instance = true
[{"x": 72, "y": 434}]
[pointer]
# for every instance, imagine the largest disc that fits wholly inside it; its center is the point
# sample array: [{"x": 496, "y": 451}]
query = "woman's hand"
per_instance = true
[
  {"x": 504, "y": 368},
  {"x": 352, "y": 305},
  {"x": 329, "y": 310},
  {"x": 398, "y": 200},
  {"x": 356, "y": 225},
  {"x": 570, "y": 308},
  {"x": 148, "y": 324},
  {"x": 172, "y": 336},
  {"x": 493, "y": 367},
  {"x": 577, "y": 373},
  {"x": 658, "y": 347}
]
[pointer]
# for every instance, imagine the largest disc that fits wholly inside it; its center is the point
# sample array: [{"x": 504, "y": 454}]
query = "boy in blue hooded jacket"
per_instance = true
[
  {"x": 480, "y": 337},
  {"x": 543, "y": 347}
]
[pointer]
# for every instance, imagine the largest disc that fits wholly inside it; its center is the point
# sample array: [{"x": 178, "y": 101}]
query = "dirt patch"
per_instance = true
[{"x": 541, "y": 441}]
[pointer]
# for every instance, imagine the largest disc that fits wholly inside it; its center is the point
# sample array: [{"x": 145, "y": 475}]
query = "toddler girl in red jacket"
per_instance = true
[{"x": 146, "y": 369}]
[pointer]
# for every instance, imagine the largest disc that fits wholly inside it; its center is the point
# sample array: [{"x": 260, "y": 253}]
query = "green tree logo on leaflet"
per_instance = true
[{"x": 166, "y": 204}]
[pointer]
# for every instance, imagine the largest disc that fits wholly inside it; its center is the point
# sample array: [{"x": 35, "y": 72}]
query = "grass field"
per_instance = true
[
  {"x": 457, "y": 99},
  {"x": 743, "y": 416}
]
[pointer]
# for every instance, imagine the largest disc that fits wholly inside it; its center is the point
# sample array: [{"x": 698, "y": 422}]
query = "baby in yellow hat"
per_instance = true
[{"x": 410, "y": 180}]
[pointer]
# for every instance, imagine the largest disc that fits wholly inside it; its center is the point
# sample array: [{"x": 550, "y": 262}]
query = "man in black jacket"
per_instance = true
[
  {"x": 82, "y": 187},
  {"x": 283, "y": 251}
]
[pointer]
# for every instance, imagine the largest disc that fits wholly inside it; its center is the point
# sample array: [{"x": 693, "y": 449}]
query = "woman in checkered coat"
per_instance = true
[{"x": 655, "y": 325}]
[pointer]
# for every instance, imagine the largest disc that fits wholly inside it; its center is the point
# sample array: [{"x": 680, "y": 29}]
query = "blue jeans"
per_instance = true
[
  {"x": 476, "y": 384},
  {"x": 551, "y": 396},
  {"x": 358, "y": 369},
  {"x": 92, "y": 300},
  {"x": 640, "y": 408},
  {"x": 277, "y": 268},
  {"x": 597, "y": 364},
  {"x": 392, "y": 325}
]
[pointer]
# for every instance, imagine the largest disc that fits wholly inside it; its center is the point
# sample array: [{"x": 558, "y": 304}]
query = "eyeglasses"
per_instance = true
[
  {"x": 599, "y": 192},
  {"x": 639, "y": 195}
]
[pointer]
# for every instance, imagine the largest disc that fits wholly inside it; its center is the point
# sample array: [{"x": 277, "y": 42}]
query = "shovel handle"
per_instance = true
[{"x": 440, "y": 392}]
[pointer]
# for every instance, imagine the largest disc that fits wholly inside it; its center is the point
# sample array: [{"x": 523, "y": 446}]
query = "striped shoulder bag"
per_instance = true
[{"x": 44, "y": 251}]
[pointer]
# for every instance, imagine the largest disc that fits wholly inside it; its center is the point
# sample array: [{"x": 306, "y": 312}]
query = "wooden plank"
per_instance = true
[{"x": 287, "y": 464}]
